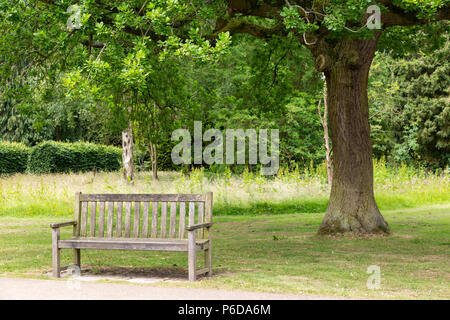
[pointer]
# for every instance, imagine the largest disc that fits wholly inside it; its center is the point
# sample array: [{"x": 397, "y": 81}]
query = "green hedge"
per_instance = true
[
  {"x": 13, "y": 157},
  {"x": 56, "y": 157}
]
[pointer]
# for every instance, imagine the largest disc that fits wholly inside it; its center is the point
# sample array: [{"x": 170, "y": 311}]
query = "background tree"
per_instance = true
[{"x": 410, "y": 111}]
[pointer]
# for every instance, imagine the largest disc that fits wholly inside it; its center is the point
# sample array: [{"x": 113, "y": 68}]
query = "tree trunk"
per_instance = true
[
  {"x": 127, "y": 154},
  {"x": 154, "y": 159},
  {"x": 326, "y": 138},
  {"x": 352, "y": 206}
]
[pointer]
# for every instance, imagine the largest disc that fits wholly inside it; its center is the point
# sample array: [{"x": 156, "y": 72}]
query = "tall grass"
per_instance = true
[{"x": 246, "y": 194}]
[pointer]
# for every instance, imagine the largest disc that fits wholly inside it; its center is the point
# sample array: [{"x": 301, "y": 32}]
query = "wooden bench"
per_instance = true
[{"x": 146, "y": 225}]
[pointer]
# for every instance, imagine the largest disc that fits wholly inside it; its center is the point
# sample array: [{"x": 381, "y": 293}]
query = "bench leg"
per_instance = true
[
  {"x": 56, "y": 253},
  {"x": 77, "y": 257},
  {"x": 208, "y": 259},
  {"x": 192, "y": 256}
]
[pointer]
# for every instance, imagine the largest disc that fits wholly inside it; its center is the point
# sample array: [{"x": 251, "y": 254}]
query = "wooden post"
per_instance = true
[
  {"x": 192, "y": 256},
  {"x": 208, "y": 231},
  {"x": 76, "y": 229},
  {"x": 55, "y": 252}
]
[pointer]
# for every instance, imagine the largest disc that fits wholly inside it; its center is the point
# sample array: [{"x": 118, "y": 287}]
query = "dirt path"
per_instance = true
[{"x": 31, "y": 289}]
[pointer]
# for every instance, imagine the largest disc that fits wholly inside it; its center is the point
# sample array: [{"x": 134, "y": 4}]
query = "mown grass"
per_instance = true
[
  {"x": 265, "y": 236},
  {"x": 269, "y": 253}
]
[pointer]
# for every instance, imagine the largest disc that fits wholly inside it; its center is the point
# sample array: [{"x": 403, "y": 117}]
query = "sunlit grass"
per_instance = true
[
  {"x": 23, "y": 195},
  {"x": 265, "y": 234},
  {"x": 281, "y": 254}
]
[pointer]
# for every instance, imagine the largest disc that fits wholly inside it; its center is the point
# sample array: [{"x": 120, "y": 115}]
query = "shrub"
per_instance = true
[
  {"x": 13, "y": 157},
  {"x": 56, "y": 157}
]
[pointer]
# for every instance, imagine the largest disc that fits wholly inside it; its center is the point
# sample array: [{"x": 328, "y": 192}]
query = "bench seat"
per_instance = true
[{"x": 157, "y": 244}]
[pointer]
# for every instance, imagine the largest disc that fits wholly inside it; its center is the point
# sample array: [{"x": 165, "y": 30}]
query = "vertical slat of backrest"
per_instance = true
[
  {"x": 208, "y": 212},
  {"x": 110, "y": 220},
  {"x": 93, "y": 222},
  {"x": 77, "y": 215},
  {"x": 191, "y": 220},
  {"x": 145, "y": 220},
  {"x": 137, "y": 219},
  {"x": 84, "y": 218},
  {"x": 182, "y": 224},
  {"x": 163, "y": 220},
  {"x": 154, "y": 219},
  {"x": 101, "y": 219},
  {"x": 119, "y": 219},
  {"x": 173, "y": 219},
  {"x": 127, "y": 219},
  {"x": 201, "y": 208}
]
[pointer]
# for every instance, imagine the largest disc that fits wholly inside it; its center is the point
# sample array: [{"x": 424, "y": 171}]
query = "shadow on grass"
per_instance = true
[{"x": 169, "y": 273}]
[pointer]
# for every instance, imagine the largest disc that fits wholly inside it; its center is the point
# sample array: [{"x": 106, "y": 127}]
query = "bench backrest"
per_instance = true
[{"x": 141, "y": 215}]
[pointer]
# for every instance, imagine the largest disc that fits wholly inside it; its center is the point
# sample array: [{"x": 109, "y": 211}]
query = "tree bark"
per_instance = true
[
  {"x": 352, "y": 206},
  {"x": 127, "y": 154},
  {"x": 326, "y": 138},
  {"x": 154, "y": 159}
]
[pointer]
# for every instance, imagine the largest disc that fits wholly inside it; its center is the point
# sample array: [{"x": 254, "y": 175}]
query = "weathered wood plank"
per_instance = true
[
  {"x": 63, "y": 224},
  {"x": 131, "y": 244},
  {"x": 201, "y": 271},
  {"x": 77, "y": 215},
  {"x": 192, "y": 253},
  {"x": 55, "y": 253},
  {"x": 127, "y": 219},
  {"x": 84, "y": 218},
  {"x": 201, "y": 208},
  {"x": 119, "y": 219},
  {"x": 154, "y": 219},
  {"x": 145, "y": 209},
  {"x": 110, "y": 220},
  {"x": 182, "y": 224},
  {"x": 163, "y": 230},
  {"x": 208, "y": 212},
  {"x": 143, "y": 197},
  {"x": 198, "y": 226},
  {"x": 93, "y": 223},
  {"x": 101, "y": 219},
  {"x": 191, "y": 220},
  {"x": 137, "y": 219},
  {"x": 173, "y": 219},
  {"x": 208, "y": 232}
]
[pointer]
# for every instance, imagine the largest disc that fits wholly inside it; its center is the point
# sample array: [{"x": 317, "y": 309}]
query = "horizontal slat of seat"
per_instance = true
[
  {"x": 142, "y": 197},
  {"x": 131, "y": 244}
]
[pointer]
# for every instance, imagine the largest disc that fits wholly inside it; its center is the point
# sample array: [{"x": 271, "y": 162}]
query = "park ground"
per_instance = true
[{"x": 257, "y": 247}]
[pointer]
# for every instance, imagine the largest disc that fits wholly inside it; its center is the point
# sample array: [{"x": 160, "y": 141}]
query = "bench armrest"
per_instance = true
[
  {"x": 62, "y": 224},
  {"x": 199, "y": 226}
]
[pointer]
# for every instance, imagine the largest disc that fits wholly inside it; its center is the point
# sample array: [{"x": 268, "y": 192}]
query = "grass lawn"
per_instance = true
[{"x": 271, "y": 253}]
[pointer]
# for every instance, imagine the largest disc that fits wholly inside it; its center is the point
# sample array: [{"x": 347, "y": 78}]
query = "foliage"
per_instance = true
[
  {"x": 163, "y": 64},
  {"x": 410, "y": 108},
  {"x": 55, "y": 157},
  {"x": 13, "y": 157}
]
